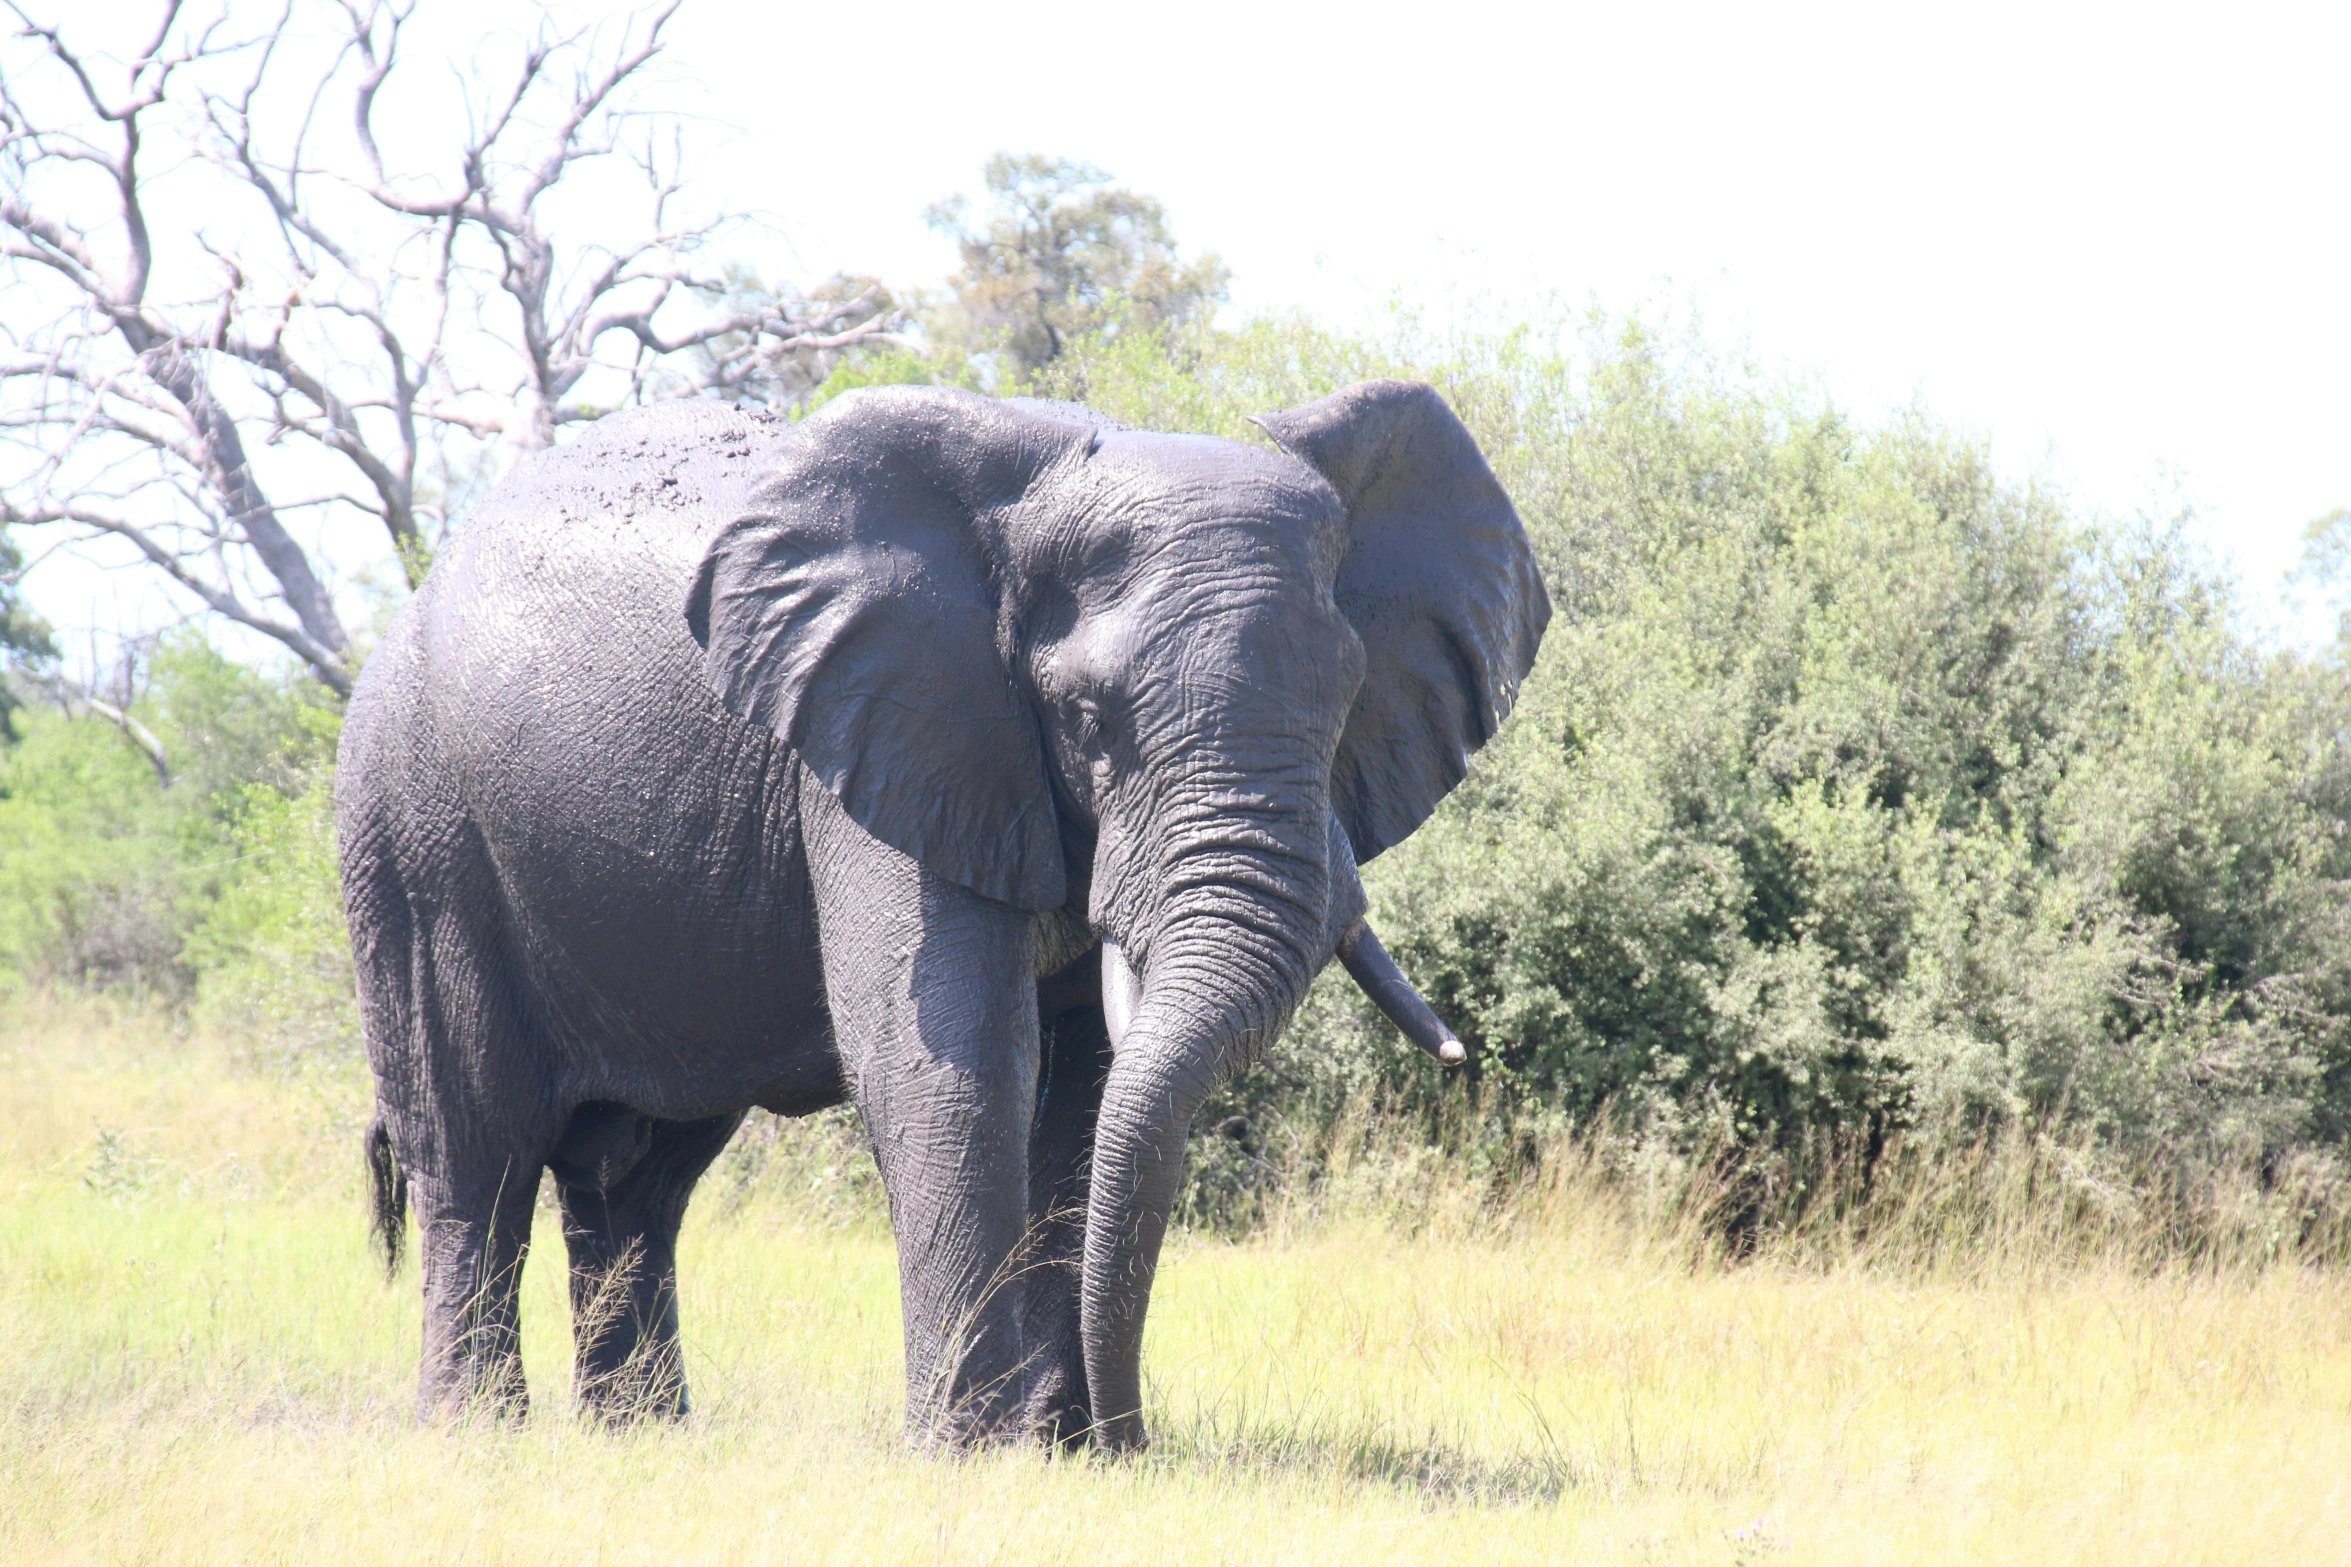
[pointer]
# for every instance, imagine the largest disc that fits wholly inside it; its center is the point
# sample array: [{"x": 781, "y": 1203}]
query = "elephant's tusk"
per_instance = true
[
  {"x": 1121, "y": 993},
  {"x": 1389, "y": 990}
]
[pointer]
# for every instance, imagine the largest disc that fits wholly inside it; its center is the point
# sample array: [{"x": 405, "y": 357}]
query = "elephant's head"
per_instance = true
[{"x": 1176, "y": 684}]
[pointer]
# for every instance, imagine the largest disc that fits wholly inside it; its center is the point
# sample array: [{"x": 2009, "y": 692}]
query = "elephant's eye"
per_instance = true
[{"x": 1089, "y": 721}]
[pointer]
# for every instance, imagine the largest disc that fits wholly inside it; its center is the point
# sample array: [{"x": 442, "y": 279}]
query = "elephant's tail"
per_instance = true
[{"x": 387, "y": 1192}]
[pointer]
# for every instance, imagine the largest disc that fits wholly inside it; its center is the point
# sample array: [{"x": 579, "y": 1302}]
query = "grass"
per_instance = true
[{"x": 204, "y": 1367}]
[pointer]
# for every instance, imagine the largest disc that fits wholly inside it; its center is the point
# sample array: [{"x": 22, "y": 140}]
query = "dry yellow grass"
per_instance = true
[{"x": 203, "y": 1367}]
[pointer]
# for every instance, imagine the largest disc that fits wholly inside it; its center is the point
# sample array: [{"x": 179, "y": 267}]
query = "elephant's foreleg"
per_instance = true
[
  {"x": 933, "y": 1001},
  {"x": 621, "y": 1227},
  {"x": 1060, "y": 1143}
]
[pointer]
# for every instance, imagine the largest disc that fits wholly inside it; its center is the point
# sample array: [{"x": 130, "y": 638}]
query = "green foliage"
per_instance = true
[
  {"x": 1861, "y": 799},
  {"x": 106, "y": 871},
  {"x": 894, "y": 367},
  {"x": 227, "y": 726},
  {"x": 1061, "y": 255},
  {"x": 2326, "y": 564},
  {"x": 270, "y": 950},
  {"x": 1858, "y": 794},
  {"x": 92, "y": 860},
  {"x": 24, "y": 639}
]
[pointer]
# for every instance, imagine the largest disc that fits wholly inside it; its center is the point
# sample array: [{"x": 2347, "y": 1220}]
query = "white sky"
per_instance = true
[{"x": 2113, "y": 240}]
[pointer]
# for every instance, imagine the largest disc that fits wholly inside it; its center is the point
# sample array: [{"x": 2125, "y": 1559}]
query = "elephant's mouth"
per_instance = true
[{"x": 1367, "y": 963}]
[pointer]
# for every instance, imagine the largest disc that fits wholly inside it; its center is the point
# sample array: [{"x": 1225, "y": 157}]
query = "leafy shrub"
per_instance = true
[
  {"x": 271, "y": 953},
  {"x": 92, "y": 861},
  {"x": 107, "y": 869},
  {"x": 24, "y": 638}
]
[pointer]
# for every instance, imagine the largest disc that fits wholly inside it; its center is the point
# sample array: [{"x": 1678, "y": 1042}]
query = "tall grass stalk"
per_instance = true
[{"x": 2021, "y": 1200}]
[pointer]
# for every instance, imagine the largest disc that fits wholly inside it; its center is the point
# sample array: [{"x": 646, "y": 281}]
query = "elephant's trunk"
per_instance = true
[
  {"x": 1247, "y": 928},
  {"x": 1156, "y": 1085},
  {"x": 1217, "y": 986},
  {"x": 1146, "y": 1118}
]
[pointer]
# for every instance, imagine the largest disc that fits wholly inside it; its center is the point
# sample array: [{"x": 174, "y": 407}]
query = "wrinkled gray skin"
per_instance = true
[{"x": 722, "y": 763}]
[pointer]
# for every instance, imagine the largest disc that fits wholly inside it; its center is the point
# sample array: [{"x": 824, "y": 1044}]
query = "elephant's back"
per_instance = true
[
  {"x": 551, "y": 642},
  {"x": 622, "y": 513}
]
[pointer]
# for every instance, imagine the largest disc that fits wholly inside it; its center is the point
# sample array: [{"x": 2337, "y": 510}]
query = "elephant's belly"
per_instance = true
[
  {"x": 683, "y": 1017},
  {"x": 670, "y": 943}
]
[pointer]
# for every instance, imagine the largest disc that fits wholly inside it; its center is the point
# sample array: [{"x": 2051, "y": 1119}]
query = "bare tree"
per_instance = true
[{"x": 225, "y": 305}]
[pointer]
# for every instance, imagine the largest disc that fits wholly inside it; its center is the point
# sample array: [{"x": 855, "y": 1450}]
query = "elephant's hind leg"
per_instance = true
[
  {"x": 475, "y": 1232},
  {"x": 460, "y": 1088},
  {"x": 624, "y": 1180}
]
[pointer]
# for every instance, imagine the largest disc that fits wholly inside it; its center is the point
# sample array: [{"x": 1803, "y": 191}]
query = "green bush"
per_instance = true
[
  {"x": 91, "y": 861},
  {"x": 113, "y": 878},
  {"x": 271, "y": 955},
  {"x": 25, "y": 642}
]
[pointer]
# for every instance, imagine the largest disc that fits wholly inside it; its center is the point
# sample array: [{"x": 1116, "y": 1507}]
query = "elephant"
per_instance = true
[{"x": 985, "y": 763}]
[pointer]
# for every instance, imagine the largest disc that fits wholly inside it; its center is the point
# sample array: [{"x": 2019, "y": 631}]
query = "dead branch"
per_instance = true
[
  {"x": 140, "y": 735},
  {"x": 335, "y": 312}
]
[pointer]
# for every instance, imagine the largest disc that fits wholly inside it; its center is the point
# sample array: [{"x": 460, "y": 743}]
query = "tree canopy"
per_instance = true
[{"x": 1058, "y": 252}]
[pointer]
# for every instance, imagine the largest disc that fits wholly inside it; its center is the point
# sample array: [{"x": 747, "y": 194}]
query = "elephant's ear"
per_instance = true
[
  {"x": 1440, "y": 585},
  {"x": 852, "y": 608}
]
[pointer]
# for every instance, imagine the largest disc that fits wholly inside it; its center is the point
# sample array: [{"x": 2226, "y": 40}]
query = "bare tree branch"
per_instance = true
[
  {"x": 367, "y": 335},
  {"x": 140, "y": 735},
  {"x": 220, "y": 600}
]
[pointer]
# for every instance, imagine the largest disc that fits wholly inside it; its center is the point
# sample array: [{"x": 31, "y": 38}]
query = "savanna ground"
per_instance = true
[{"x": 205, "y": 1366}]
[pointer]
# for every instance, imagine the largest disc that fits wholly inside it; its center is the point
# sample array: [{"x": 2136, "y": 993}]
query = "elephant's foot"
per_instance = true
[
  {"x": 1060, "y": 1417},
  {"x": 950, "y": 1436},
  {"x": 627, "y": 1365},
  {"x": 1058, "y": 1413},
  {"x": 974, "y": 1399},
  {"x": 472, "y": 1368},
  {"x": 623, "y": 1184},
  {"x": 649, "y": 1385},
  {"x": 467, "y": 1395},
  {"x": 1066, "y": 1426},
  {"x": 1121, "y": 1436}
]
